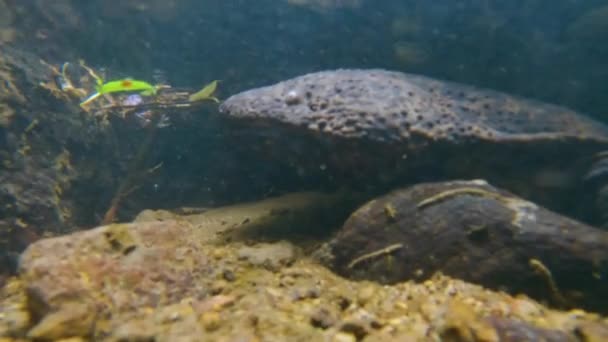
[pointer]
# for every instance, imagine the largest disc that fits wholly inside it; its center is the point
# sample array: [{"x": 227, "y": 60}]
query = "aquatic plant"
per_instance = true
[{"x": 206, "y": 93}]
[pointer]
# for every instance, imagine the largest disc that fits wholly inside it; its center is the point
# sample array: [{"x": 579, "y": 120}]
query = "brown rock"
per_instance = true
[
  {"x": 164, "y": 281},
  {"x": 115, "y": 267},
  {"x": 71, "y": 320},
  {"x": 270, "y": 256}
]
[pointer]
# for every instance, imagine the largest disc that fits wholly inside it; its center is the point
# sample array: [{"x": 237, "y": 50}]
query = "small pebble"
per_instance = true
[
  {"x": 365, "y": 295},
  {"x": 211, "y": 320},
  {"x": 322, "y": 318},
  {"x": 344, "y": 337},
  {"x": 218, "y": 287},
  {"x": 229, "y": 275}
]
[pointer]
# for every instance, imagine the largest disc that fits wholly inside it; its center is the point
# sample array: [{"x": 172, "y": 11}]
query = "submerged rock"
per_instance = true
[
  {"x": 168, "y": 281},
  {"x": 473, "y": 231}
]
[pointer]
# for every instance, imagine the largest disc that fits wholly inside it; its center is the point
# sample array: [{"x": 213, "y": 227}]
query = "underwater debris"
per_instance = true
[
  {"x": 543, "y": 271},
  {"x": 133, "y": 100},
  {"x": 129, "y": 97},
  {"x": 372, "y": 255},
  {"x": 124, "y": 85},
  {"x": 206, "y": 93},
  {"x": 133, "y": 172},
  {"x": 456, "y": 192},
  {"x": 117, "y": 86}
]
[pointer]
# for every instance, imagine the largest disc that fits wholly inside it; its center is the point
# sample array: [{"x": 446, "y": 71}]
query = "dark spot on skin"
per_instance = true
[
  {"x": 245, "y": 221},
  {"x": 419, "y": 118},
  {"x": 323, "y": 106},
  {"x": 308, "y": 95},
  {"x": 404, "y": 113},
  {"x": 410, "y": 93},
  {"x": 292, "y": 100},
  {"x": 321, "y": 125}
]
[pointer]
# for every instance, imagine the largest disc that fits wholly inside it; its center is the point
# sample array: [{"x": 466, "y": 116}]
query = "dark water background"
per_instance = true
[{"x": 552, "y": 50}]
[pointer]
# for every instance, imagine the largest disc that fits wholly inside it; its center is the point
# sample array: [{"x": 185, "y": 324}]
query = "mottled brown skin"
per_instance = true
[
  {"x": 472, "y": 231},
  {"x": 379, "y": 129},
  {"x": 390, "y": 106}
]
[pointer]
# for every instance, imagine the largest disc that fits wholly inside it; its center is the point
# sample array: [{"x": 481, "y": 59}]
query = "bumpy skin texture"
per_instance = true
[
  {"x": 380, "y": 129},
  {"x": 391, "y": 106}
]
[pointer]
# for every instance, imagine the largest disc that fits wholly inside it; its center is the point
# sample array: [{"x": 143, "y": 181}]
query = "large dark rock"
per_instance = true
[{"x": 473, "y": 231}]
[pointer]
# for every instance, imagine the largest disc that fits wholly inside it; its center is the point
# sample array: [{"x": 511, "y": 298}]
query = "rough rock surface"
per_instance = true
[
  {"x": 473, "y": 231},
  {"x": 44, "y": 144},
  {"x": 172, "y": 280}
]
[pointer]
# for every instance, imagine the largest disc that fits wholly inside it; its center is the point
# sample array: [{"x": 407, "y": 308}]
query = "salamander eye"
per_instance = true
[{"x": 292, "y": 98}]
